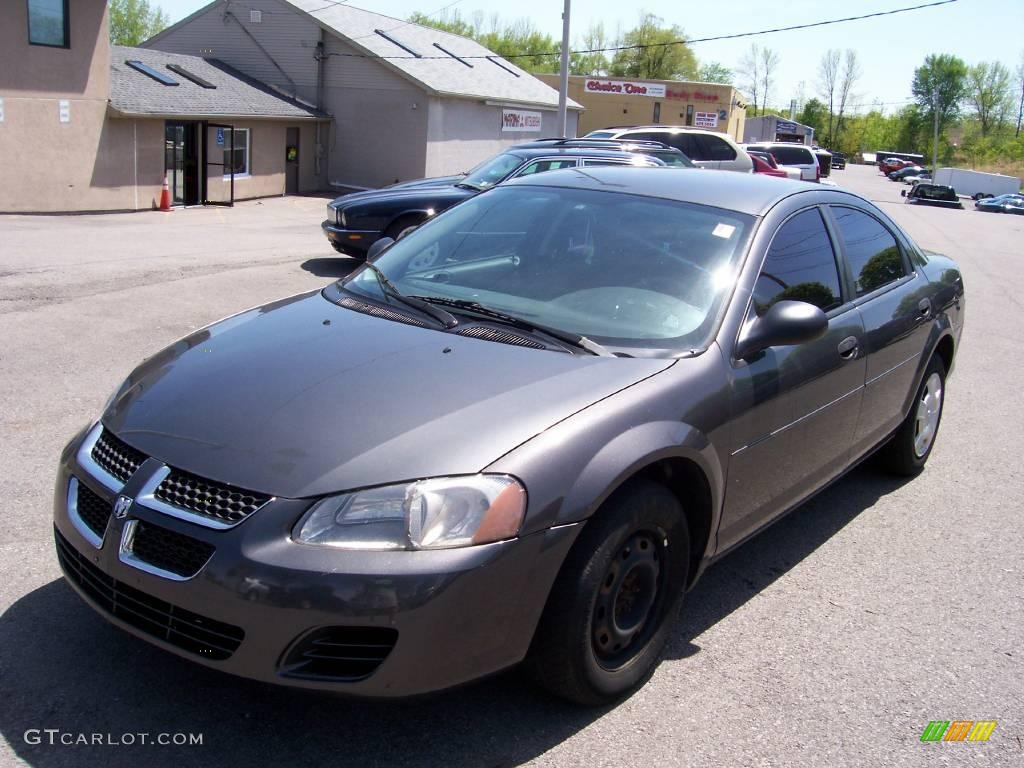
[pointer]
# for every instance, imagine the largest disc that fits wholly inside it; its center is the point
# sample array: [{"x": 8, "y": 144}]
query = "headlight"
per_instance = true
[
  {"x": 342, "y": 222},
  {"x": 427, "y": 514}
]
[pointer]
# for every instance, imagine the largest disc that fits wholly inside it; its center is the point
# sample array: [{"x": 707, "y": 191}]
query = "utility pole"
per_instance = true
[
  {"x": 563, "y": 84},
  {"x": 935, "y": 139}
]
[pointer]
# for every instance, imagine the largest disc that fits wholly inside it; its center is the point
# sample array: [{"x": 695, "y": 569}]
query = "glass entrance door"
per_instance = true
[{"x": 181, "y": 162}]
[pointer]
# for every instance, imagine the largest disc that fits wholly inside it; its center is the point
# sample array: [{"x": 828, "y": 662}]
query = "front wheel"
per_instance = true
[
  {"x": 908, "y": 450},
  {"x": 609, "y": 613}
]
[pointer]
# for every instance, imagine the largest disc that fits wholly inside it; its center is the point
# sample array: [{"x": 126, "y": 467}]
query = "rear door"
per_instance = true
[
  {"x": 894, "y": 301},
  {"x": 795, "y": 407}
]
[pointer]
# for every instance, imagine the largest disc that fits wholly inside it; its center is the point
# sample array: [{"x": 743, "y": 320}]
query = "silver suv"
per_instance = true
[{"x": 707, "y": 149}]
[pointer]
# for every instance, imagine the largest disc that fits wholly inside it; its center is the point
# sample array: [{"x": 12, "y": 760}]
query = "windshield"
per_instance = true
[
  {"x": 621, "y": 269},
  {"x": 491, "y": 171}
]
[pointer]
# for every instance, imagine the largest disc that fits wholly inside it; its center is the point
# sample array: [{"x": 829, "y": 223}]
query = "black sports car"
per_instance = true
[{"x": 357, "y": 221}]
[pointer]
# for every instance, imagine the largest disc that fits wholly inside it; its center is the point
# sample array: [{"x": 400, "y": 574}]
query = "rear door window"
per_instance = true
[
  {"x": 871, "y": 250},
  {"x": 715, "y": 148},
  {"x": 800, "y": 266},
  {"x": 684, "y": 142}
]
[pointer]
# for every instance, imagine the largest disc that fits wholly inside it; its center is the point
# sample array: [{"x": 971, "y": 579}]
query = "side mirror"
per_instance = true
[
  {"x": 787, "y": 322},
  {"x": 903, "y": 193},
  {"x": 378, "y": 247}
]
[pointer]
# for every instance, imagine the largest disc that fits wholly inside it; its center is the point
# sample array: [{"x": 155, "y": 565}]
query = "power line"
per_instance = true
[{"x": 693, "y": 41}]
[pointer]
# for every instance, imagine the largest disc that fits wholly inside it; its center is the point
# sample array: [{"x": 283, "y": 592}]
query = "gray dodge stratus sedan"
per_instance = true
[{"x": 516, "y": 435}]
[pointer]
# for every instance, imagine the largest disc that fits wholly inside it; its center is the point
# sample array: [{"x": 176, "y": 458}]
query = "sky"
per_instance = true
[{"x": 889, "y": 48}]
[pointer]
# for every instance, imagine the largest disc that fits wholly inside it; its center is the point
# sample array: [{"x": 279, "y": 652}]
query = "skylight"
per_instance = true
[
  {"x": 395, "y": 41},
  {"x": 147, "y": 70},
  {"x": 494, "y": 61},
  {"x": 177, "y": 68},
  {"x": 457, "y": 58}
]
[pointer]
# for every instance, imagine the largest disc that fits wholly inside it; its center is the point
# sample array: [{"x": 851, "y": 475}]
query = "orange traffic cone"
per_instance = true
[{"x": 165, "y": 197}]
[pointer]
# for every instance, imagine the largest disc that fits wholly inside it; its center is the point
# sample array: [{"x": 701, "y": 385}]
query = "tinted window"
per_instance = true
[
  {"x": 800, "y": 266},
  {"x": 684, "y": 142},
  {"x": 871, "y": 250},
  {"x": 931, "y": 192},
  {"x": 716, "y": 148},
  {"x": 611, "y": 161},
  {"x": 48, "y": 22},
  {"x": 793, "y": 155},
  {"x": 539, "y": 166}
]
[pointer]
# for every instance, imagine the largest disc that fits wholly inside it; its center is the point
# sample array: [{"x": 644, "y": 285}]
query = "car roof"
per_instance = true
[
  {"x": 665, "y": 128},
  {"x": 749, "y": 193},
  {"x": 529, "y": 153}
]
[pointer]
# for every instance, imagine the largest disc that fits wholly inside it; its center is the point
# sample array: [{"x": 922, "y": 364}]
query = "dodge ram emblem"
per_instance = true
[{"x": 121, "y": 507}]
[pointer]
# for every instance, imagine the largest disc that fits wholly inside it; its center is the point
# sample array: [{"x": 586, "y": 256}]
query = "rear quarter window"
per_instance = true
[
  {"x": 793, "y": 155},
  {"x": 715, "y": 148}
]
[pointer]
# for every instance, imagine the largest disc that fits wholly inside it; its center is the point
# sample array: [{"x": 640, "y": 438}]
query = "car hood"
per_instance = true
[
  {"x": 436, "y": 181},
  {"x": 303, "y": 397}
]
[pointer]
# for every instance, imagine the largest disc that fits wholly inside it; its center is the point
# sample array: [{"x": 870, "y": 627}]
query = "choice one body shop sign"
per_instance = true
[{"x": 707, "y": 119}]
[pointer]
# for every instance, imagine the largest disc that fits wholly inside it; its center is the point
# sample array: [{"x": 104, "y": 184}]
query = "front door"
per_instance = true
[
  {"x": 181, "y": 162},
  {"x": 796, "y": 406},
  {"x": 291, "y": 162}
]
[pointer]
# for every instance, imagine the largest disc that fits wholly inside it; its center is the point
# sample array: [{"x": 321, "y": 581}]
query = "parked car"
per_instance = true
[
  {"x": 707, "y": 149},
  {"x": 792, "y": 155},
  {"x": 1001, "y": 204},
  {"x": 839, "y": 161},
  {"x": 915, "y": 179},
  {"x": 902, "y": 173},
  {"x": 357, "y": 220},
  {"x": 762, "y": 166},
  {"x": 824, "y": 158},
  {"x": 894, "y": 164},
  {"x": 926, "y": 193},
  {"x": 509, "y": 435}
]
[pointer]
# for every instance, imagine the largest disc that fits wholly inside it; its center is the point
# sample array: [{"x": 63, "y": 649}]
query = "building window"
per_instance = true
[
  {"x": 689, "y": 114},
  {"x": 239, "y": 161},
  {"x": 48, "y": 23}
]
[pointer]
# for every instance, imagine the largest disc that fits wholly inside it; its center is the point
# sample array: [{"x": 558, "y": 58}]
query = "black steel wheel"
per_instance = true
[{"x": 610, "y": 610}]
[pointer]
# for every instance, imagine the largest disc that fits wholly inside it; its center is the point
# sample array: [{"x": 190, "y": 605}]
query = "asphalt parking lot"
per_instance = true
[{"x": 831, "y": 639}]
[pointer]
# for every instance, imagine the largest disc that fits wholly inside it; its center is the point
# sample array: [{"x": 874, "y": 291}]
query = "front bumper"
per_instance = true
[
  {"x": 456, "y": 614},
  {"x": 354, "y": 241}
]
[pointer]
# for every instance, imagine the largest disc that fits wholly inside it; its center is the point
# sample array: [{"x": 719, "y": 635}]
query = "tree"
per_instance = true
[
  {"x": 1020, "y": 82},
  {"x": 988, "y": 91},
  {"x": 750, "y": 75},
  {"x": 657, "y": 52},
  {"x": 520, "y": 41},
  {"x": 940, "y": 85},
  {"x": 595, "y": 63},
  {"x": 828, "y": 83},
  {"x": 714, "y": 72},
  {"x": 133, "y": 21},
  {"x": 849, "y": 76},
  {"x": 815, "y": 115},
  {"x": 757, "y": 74}
]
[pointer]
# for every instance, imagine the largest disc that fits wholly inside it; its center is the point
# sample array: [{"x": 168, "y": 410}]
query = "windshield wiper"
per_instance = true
[
  {"x": 447, "y": 319},
  {"x": 572, "y": 339},
  {"x": 467, "y": 185}
]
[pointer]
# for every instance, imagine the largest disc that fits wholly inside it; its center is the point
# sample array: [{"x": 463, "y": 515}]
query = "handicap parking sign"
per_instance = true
[{"x": 220, "y": 137}]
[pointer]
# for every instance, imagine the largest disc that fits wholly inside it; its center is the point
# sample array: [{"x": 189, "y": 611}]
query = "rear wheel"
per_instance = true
[
  {"x": 908, "y": 450},
  {"x": 609, "y": 613}
]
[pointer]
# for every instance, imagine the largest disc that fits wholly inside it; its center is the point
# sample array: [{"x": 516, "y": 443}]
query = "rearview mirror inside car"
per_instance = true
[
  {"x": 378, "y": 248},
  {"x": 787, "y": 322}
]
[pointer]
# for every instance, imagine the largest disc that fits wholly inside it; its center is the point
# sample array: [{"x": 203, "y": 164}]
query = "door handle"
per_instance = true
[
  {"x": 924, "y": 306},
  {"x": 848, "y": 347}
]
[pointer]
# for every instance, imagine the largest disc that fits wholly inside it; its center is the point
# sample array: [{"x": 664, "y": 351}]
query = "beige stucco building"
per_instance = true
[
  {"x": 115, "y": 122},
  {"x": 612, "y": 101}
]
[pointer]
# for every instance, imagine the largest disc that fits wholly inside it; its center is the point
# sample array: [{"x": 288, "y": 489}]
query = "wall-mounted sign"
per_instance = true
[
  {"x": 64, "y": 110},
  {"x": 691, "y": 95},
  {"x": 723, "y": 115},
  {"x": 705, "y": 120},
  {"x": 520, "y": 120},
  {"x": 785, "y": 127},
  {"x": 220, "y": 137},
  {"x": 626, "y": 88}
]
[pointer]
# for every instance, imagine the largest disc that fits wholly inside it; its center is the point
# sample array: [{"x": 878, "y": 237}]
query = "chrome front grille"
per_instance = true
[
  {"x": 165, "y": 550},
  {"x": 208, "y": 499},
  {"x": 115, "y": 457}
]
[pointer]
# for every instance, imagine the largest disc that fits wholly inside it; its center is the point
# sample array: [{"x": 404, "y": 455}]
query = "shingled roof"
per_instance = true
[
  {"x": 413, "y": 50},
  {"x": 236, "y": 95}
]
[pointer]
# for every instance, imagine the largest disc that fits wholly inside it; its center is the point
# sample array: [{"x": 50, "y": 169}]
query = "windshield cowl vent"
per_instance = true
[{"x": 502, "y": 337}]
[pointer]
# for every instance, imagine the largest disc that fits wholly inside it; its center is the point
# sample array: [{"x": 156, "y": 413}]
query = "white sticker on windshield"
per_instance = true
[{"x": 724, "y": 230}]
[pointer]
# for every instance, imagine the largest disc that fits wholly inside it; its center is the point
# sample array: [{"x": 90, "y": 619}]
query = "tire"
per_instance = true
[
  {"x": 605, "y": 625},
  {"x": 908, "y": 450},
  {"x": 399, "y": 227}
]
